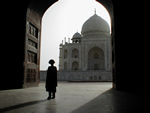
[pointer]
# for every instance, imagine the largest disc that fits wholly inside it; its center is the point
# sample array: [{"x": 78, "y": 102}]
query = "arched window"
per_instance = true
[
  {"x": 96, "y": 59},
  {"x": 65, "y": 66},
  {"x": 96, "y": 55},
  {"x": 75, "y": 65},
  {"x": 75, "y": 53},
  {"x": 65, "y": 54}
]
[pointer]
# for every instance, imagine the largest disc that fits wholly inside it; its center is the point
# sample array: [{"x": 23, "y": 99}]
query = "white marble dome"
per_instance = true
[{"x": 95, "y": 24}]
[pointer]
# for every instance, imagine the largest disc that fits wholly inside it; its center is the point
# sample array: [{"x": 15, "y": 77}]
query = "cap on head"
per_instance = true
[{"x": 51, "y": 61}]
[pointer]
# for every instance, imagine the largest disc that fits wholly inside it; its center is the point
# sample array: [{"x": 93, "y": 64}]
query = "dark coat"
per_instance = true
[{"x": 51, "y": 79}]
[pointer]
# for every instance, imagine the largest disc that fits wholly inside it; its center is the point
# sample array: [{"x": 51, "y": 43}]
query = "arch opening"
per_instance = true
[
  {"x": 75, "y": 66},
  {"x": 75, "y": 53},
  {"x": 96, "y": 55},
  {"x": 96, "y": 59}
]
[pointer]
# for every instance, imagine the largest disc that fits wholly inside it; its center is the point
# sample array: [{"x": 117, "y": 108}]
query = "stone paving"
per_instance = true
[{"x": 69, "y": 97}]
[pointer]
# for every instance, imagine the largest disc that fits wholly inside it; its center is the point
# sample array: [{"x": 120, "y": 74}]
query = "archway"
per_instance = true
[
  {"x": 116, "y": 9},
  {"x": 75, "y": 66},
  {"x": 65, "y": 66},
  {"x": 75, "y": 53},
  {"x": 31, "y": 13},
  {"x": 65, "y": 54},
  {"x": 96, "y": 59},
  {"x": 34, "y": 14}
]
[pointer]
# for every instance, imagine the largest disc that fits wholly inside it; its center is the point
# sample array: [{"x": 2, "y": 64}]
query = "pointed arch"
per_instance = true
[
  {"x": 95, "y": 59},
  {"x": 75, "y": 53},
  {"x": 75, "y": 65},
  {"x": 65, "y": 53}
]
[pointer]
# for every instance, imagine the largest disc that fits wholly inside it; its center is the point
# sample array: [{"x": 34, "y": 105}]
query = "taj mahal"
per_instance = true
[{"x": 88, "y": 57}]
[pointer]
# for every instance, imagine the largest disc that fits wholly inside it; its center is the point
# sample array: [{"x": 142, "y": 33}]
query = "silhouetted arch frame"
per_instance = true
[{"x": 40, "y": 6}]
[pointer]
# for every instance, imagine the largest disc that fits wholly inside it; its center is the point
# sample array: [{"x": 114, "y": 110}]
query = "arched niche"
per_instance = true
[
  {"x": 65, "y": 53},
  {"x": 96, "y": 59},
  {"x": 75, "y": 53},
  {"x": 75, "y": 65},
  {"x": 65, "y": 66}
]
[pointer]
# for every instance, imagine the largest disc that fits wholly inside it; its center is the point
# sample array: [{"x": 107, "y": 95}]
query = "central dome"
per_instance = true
[{"x": 95, "y": 24}]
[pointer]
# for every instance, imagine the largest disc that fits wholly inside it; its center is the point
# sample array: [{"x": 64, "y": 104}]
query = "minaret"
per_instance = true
[
  {"x": 68, "y": 40},
  {"x": 65, "y": 40},
  {"x": 60, "y": 56},
  {"x": 95, "y": 11}
]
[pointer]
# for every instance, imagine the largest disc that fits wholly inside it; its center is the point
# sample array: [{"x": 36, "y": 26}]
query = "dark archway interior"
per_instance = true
[{"x": 129, "y": 70}]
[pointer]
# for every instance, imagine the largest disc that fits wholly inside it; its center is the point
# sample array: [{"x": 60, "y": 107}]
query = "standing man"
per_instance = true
[{"x": 51, "y": 80}]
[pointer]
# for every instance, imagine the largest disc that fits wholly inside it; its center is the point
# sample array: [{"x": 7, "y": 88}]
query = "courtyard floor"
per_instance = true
[
  {"x": 73, "y": 97},
  {"x": 69, "y": 96}
]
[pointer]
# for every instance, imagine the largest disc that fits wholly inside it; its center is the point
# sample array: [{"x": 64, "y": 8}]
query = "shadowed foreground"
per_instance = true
[
  {"x": 113, "y": 101},
  {"x": 69, "y": 97},
  {"x": 73, "y": 97}
]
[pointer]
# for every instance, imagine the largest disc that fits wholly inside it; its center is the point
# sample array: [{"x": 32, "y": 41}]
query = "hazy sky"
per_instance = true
[{"x": 63, "y": 19}]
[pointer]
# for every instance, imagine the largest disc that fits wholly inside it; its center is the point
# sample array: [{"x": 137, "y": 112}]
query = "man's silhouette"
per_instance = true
[{"x": 51, "y": 80}]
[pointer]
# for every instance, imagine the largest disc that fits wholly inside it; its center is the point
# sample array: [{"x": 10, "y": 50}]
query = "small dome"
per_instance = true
[
  {"x": 77, "y": 35},
  {"x": 95, "y": 24}
]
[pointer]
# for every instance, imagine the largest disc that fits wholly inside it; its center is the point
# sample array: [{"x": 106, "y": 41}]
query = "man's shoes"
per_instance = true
[
  {"x": 53, "y": 97},
  {"x": 48, "y": 98}
]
